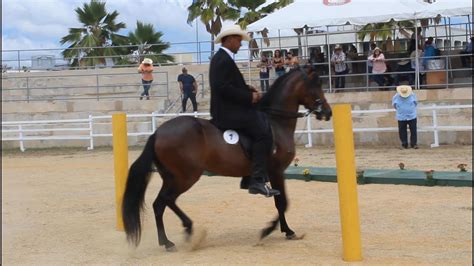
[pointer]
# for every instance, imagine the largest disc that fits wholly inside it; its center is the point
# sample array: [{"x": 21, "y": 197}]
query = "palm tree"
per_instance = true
[
  {"x": 255, "y": 12},
  {"x": 91, "y": 44},
  {"x": 385, "y": 30},
  {"x": 147, "y": 42},
  {"x": 211, "y": 14}
]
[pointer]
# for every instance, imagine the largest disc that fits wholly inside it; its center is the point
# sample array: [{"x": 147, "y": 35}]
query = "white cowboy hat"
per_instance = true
[
  {"x": 147, "y": 61},
  {"x": 338, "y": 47},
  {"x": 232, "y": 30},
  {"x": 404, "y": 90}
]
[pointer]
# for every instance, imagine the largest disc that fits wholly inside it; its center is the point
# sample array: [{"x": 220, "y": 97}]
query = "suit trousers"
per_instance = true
[{"x": 259, "y": 131}]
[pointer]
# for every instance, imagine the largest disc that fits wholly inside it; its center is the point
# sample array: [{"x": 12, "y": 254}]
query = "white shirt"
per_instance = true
[
  {"x": 228, "y": 52},
  {"x": 340, "y": 65}
]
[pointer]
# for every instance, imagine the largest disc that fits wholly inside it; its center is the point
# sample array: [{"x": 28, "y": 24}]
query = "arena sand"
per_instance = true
[{"x": 58, "y": 209}]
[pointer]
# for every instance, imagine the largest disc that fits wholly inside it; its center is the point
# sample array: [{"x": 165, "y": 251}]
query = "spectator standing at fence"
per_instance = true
[
  {"x": 370, "y": 65},
  {"x": 291, "y": 61},
  {"x": 264, "y": 72},
  {"x": 429, "y": 51},
  {"x": 379, "y": 66},
  {"x": 188, "y": 87},
  {"x": 338, "y": 60},
  {"x": 146, "y": 69},
  {"x": 278, "y": 63},
  {"x": 405, "y": 102},
  {"x": 417, "y": 53},
  {"x": 466, "y": 54}
]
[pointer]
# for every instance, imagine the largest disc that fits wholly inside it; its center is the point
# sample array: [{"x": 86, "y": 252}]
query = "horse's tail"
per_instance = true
[{"x": 133, "y": 198}]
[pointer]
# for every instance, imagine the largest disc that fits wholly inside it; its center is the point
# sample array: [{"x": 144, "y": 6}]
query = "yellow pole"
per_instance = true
[
  {"x": 347, "y": 183},
  {"x": 120, "y": 146}
]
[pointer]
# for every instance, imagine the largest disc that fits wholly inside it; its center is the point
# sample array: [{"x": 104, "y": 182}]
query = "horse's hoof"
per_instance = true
[
  {"x": 197, "y": 239},
  {"x": 171, "y": 247},
  {"x": 294, "y": 237}
]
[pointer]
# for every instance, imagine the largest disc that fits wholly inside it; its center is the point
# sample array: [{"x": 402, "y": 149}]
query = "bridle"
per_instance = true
[{"x": 317, "y": 110}]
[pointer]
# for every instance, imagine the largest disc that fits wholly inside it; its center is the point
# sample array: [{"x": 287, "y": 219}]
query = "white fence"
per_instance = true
[{"x": 83, "y": 129}]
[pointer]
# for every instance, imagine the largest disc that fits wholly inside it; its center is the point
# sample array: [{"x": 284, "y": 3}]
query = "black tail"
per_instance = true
[{"x": 134, "y": 195}]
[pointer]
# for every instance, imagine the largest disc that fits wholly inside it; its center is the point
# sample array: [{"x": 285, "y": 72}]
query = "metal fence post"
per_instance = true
[
  {"x": 97, "y": 85},
  {"x": 308, "y": 130},
  {"x": 27, "y": 89},
  {"x": 435, "y": 128},
  {"x": 91, "y": 133},
  {"x": 19, "y": 67},
  {"x": 167, "y": 87},
  {"x": 20, "y": 136},
  {"x": 153, "y": 122}
]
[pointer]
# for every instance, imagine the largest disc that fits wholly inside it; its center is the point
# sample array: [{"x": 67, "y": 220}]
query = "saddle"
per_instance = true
[{"x": 234, "y": 137}]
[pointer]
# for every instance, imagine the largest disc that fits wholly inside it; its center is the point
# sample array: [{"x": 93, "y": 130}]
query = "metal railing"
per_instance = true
[
  {"x": 452, "y": 38},
  {"x": 83, "y": 129}
]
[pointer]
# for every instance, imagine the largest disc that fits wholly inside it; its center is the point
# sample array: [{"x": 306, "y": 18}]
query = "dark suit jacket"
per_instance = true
[{"x": 231, "y": 98}]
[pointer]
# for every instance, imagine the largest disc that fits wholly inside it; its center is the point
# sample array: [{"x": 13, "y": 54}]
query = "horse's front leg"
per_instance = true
[{"x": 281, "y": 203}]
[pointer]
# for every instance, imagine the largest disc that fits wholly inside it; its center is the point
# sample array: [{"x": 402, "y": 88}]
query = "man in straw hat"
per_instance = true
[
  {"x": 405, "y": 103},
  {"x": 233, "y": 107}
]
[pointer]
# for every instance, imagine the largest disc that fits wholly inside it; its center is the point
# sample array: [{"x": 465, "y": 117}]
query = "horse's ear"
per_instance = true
[{"x": 308, "y": 68}]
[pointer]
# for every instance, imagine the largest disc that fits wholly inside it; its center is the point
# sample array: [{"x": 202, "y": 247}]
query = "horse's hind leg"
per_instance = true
[{"x": 159, "y": 206}]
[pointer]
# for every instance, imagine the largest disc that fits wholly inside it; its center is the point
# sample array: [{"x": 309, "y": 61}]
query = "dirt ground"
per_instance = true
[{"x": 58, "y": 209}]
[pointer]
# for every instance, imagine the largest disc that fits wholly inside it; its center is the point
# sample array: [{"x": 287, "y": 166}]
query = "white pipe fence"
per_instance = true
[{"x": 84, "y": 128}]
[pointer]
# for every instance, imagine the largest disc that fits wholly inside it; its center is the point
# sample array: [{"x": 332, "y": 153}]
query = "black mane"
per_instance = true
[{"x": 280, "y": 83}]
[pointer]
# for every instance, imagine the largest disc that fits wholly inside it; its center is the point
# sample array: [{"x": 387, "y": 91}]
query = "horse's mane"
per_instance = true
[
  {"x": 280, "y": 83},
  {"x": 275, "y": 88}
]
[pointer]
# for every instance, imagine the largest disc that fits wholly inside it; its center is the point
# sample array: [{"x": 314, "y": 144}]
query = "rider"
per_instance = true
[{"x": 233, "y": 106}]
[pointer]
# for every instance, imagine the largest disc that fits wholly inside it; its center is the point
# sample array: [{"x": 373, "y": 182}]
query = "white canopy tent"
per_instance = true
[
  {"x": 314, "y": 13},
  {"x": 320, "y": 13}
]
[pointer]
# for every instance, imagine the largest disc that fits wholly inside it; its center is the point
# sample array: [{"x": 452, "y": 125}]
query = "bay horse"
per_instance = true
[{"x": 184, "y": 147}]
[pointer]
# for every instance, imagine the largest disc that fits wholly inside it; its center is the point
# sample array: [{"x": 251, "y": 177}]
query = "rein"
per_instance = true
[{"x": 292, "y": 115}]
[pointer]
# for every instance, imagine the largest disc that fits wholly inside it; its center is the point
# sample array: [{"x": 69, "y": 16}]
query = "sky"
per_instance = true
[
  {"x": 40, "y": 24},
  {"x": 32, "y": 24}
]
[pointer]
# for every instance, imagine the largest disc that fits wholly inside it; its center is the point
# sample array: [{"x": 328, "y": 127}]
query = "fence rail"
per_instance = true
[{"x": 84, "y": 128}]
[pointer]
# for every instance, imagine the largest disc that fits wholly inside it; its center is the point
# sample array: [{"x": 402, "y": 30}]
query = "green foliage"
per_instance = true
[
  {"x": 253, "y": 14},
  {"x": 94, "y": 40},
  {"x": 385, "y": 30},
  {"x": 147, "y": 43}
]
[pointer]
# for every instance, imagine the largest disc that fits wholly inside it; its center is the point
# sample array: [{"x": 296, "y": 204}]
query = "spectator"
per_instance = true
[
  {"x": 264, "y": 66},
  {"x": 352, "y": 56},
  {"x": 418, "y": 53},
  {"x": 316, "y": 59},
  {"x": 338, "y": 60},
  {"x": 379, "y": 66},
  {"x": 404, "y": 66},
  {"x": 146, "y": 69},
  {"x": 418, "y": 36},
  {"x": 188, "y": 87},
  {"x": 405, "y": 102},
  {"x": 430, "y": 51},
  {"x": 291, "y": 61},
  {"x": 278, "y": 63},
  {"x": 465, "y": 58},
  {"x": 369, "y": 63}
]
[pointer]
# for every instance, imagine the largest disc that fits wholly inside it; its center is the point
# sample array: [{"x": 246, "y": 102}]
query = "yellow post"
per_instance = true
[
  {"x": 120, "y": 146},
  {"x": 347, "y": 182}
]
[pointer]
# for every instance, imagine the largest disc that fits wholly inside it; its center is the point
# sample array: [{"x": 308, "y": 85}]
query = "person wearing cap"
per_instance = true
[
  {"x": 233, "y": 106},
  {"x": 405, "y": 102},
  {"x": 188, "y": 87},
  {"x": 338, "y": 60},
  {"x": 146, "y": 69}
]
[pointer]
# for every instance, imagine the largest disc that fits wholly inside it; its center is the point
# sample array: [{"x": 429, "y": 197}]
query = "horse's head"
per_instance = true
[{"x": 311, "y": 95}]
